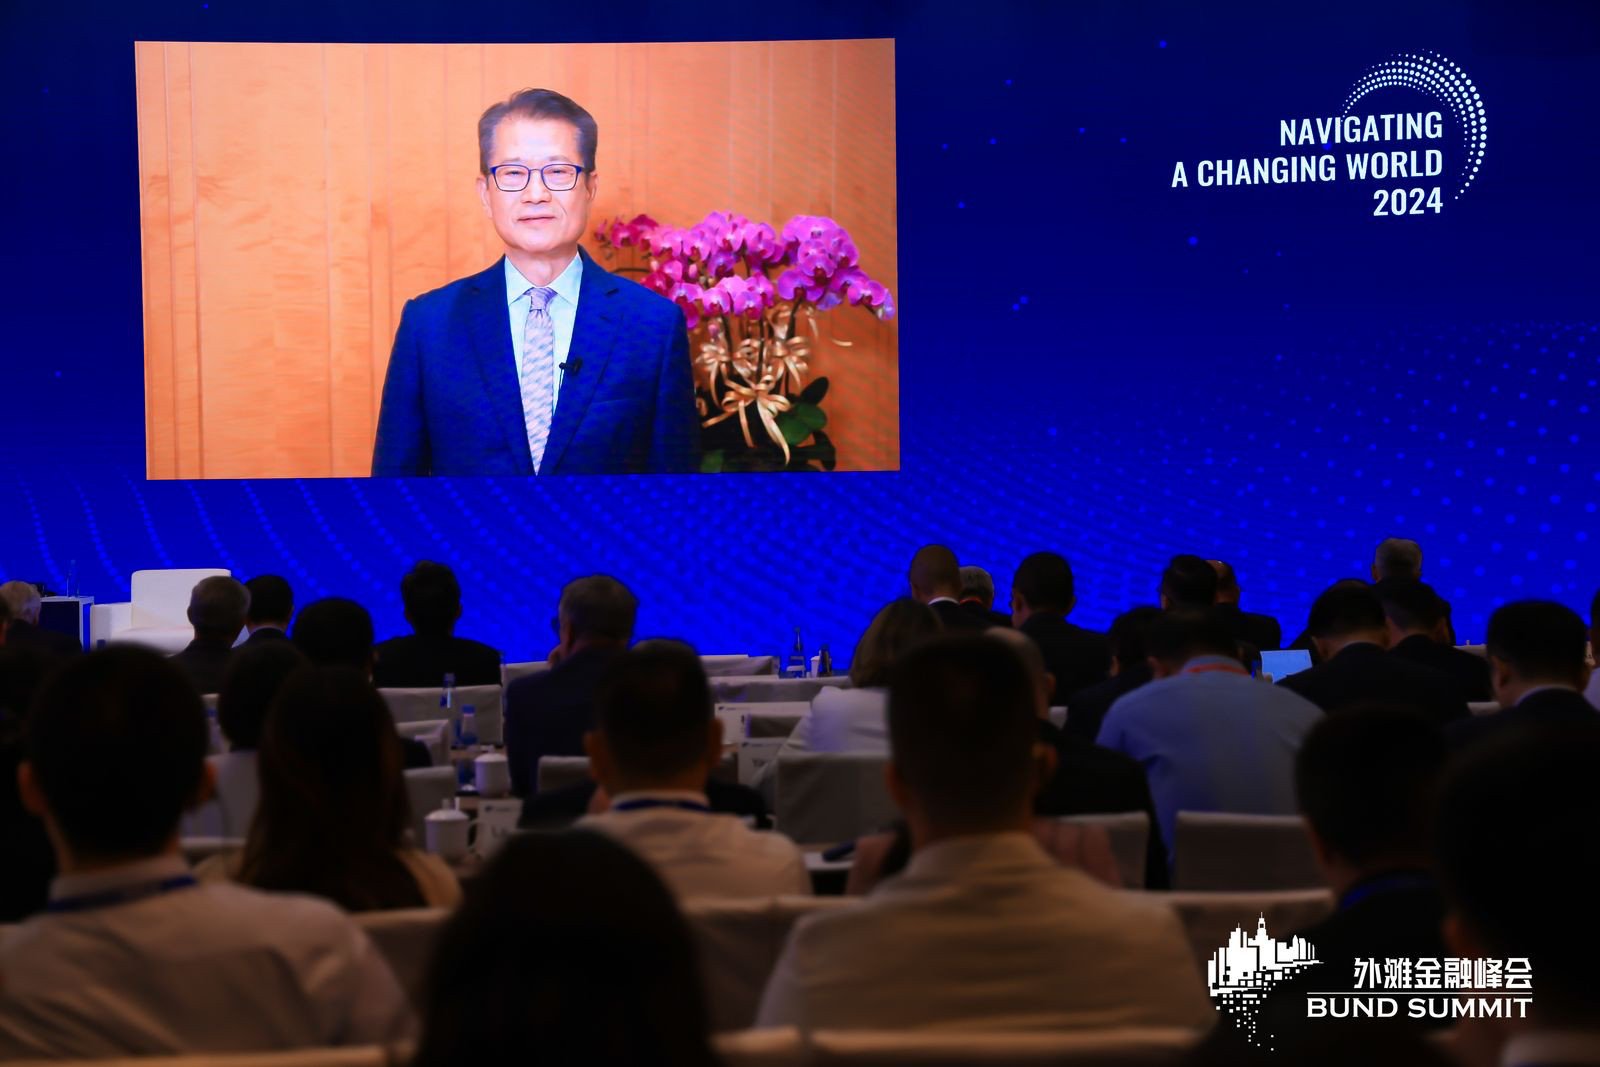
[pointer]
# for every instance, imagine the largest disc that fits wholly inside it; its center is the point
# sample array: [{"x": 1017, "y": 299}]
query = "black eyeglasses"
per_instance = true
[{"x": 514, "y": 177}]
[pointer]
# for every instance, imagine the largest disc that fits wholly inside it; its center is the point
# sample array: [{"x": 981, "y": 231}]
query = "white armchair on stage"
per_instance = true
[{"x": 156, "y": 616}]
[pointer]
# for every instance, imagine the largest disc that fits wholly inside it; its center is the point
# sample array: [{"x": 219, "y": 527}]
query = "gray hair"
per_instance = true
[
  {"x": 539, "y": 104},
  {"x": 23, "y": 599},
  {"x": 599, "y": 606},
  {"x": 977, "y": 582},
  {"x": 219, "y": 603},
  {"x": 1397, "y": 557}
]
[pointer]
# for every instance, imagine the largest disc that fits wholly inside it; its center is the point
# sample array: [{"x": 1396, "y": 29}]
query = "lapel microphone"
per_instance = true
[{"x": 573, "y": 366}]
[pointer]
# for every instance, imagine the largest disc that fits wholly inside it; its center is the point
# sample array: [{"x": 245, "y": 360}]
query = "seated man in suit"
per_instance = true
[
  {"x": 271, "y": 608},
  {"x": 24, "y": 603},
  {"x": 1042, "y": 596},
  {"x": 1210, "y": 737},
  {"x": 1538, "y": 669},
  {"x": 1351, "y": 635},
  {"x": 1260, "y": 631},
  {"x": 547, "y": 714},
  {"x": 545, "y": 363},
  {"x": 1514, "y": 841},
  {"x": 217, "y": 608},
  {"x": 654, "y": 746},
  {"x": 1188, "y": 582},
  {"x": 936, "y": 581},
  {"x": 432, "y": 599},
  {"x": 977, "y": 596},
  {"x": 983, "y": 930},
  {"x": 1399, "y": 558},
  {"x": 1130, "y": 668},
  {"x": 1419, "y": 631},
  {"x": 134, "y": 957}
]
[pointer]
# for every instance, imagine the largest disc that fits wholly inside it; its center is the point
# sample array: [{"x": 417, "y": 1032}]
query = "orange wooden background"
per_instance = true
[{"x": 294, "y": 196}]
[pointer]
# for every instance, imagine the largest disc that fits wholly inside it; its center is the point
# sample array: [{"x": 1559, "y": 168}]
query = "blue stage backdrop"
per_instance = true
[{"x": 1094, "y": 359}]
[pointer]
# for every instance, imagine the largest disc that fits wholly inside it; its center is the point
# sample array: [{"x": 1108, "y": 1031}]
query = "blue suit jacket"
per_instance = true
[{"x": 452, "y": 404}]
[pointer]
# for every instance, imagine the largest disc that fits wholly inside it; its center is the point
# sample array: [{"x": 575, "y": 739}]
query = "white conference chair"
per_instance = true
[
  {"x": 1484, "y": 707},
  {"x": 740, "y": 665},
  {"x": 1129, "y": 834},
  {"x": 739, "y": 943},
  {"x": 406, "y": 937},
  {"x": 1209, "y": 918},
  {"x": 1234, "y": 852},
  {"x": 419, "y": 705},
  {"x": 826, "y": 797},
  {"x": 1120, "y": 1047},
  {"x": 198, "y": 849},
  {"x": 559, "y": 772},
  {"x": 766, "y": 689},
  {"x": 156, "y": 614},
  {"x": 510, "y": 672},
  {"x": 428, "y": 788},
  {"x": 435, "y": 733}
]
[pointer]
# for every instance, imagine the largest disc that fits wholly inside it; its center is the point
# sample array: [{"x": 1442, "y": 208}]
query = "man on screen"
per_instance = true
[{"x": 545, "y": 363}]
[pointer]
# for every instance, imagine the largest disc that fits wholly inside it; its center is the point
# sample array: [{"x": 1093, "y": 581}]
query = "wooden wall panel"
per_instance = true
[{"x": 293, "y": 197}]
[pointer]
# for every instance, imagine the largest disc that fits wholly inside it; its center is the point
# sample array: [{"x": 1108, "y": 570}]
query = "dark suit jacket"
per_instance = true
[
  {"x": 1091, "y": 780},
  {"x": 547, "y": 714},
  {"x": 19, "y": 632},
  {"x": 265, "y": 635},
  {"x": 452, "y": 404},
  {"x": 1086, "y": 709},
  {"x": 1262, "y": 632},
  {"x": 1077, "y": 657},
  {"x": 989, "y": 615},
  {"x": 1470, "y": 673},
  {"x": 957, "y": 619},
  {"x": 205, "y": 665},
  {"x": 1366, "y": 672},
  {"x": 417, "y": 662},
  {"x": 1548, "y": 707},
  {"x": 562, "y": 807}
]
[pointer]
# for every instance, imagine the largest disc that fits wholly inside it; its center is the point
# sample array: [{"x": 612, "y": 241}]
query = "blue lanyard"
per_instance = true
[
  {"x": 647, "y": 802},
  {"x": 1387, "y": 883},
  {"x": 122, "y": 895}
]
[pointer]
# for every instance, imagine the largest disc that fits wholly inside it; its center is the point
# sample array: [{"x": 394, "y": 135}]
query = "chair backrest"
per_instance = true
[
  {"x": 741, "y": 666},
  {"x": 406, "y": 937},
  {"x": 765, "y": 689},
  {"x": 1119, "y": 1047},
  {"x": 558, "y": 772},
  {"x": 197, "y": 849},
  {"x": 1232, "y": 852},
  {"x": 754, "y": 755},
  {"x": 510, "y": 672},
  {"x": 1484, "y": 707},
  {"x": 739, "y": 718},
  {"x": 1129, "y": 834},
  {"x": 428, "y": 788},
  {"x": 418, "y": 705},
  {"x": 739, "y": 943},
  {"x": 348, "y": 1056},
  {"x": 161, "y": 598},
  {"x": 826, "y": 797},
  {"x": 777, "y": 1046},
  {"x": 1476, "y": 650},
  {"x": 229, "y": 812},
  {"x": 435, "y": 733},
  {"x": 1208, "y": 918}
]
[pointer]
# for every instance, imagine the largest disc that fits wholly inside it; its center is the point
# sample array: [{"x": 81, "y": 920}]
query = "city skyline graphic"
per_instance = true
[{"x": 1241, "y": 974}]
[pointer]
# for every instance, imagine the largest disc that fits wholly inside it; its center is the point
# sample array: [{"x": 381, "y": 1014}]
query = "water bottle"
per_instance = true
[
  {"x": 468, "y": 733},
  {"x": 447, "y": 696},
  {"x": 797, "y": 658}
]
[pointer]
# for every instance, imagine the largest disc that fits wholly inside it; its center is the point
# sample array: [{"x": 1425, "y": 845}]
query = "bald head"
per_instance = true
[
  {"x": 1227, "y": 582},
  {"x": 935, "y": 573}
]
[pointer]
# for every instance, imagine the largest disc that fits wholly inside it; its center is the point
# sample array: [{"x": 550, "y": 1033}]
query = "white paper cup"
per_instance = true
[
  {"x": 447, "y": 834},
  {"x": 492, "y": 775}
]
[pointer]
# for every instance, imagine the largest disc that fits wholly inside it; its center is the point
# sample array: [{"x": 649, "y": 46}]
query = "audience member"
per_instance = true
[
  {"x": 1259, "y": 631},
  {"x": 1515, "y": 827},
  {"x": 133, "y": 957},
  {"x": 1365, "y": 783},
  {"x": 931, "y": 948},
  {"x": 591, "y": 965},
  {"x": 936, "y": 581},
  {"x": 333, "y": 813},
  {"x": 1210, "y": 737},
  {"x": 334, "y": 631},
  {"x": 1188, "y": 582},
  {"x": 217, "y": 608},
  {"x": 21, "y": 626},
  {"x": 1397, "y": 557},
  {"x": 547, "y": 714},
  {"x": 1593, "y": 692},
  {"x": 977, "y": 596},
  {"x": 1042, "y": 596},
  {"x": 252, "y": 680},
  {"x": 1419, "y": 631},
  {"x": 432, "y": 599},
  {"x": 1130, "y": 668},
  {"x": 1351, "y": 635},
  {"x": 656, "y": 741},
  {"x": 271, "y": 608},
  {"x": 1536, "y": 651},
  {"x": 30, "y": 862}
]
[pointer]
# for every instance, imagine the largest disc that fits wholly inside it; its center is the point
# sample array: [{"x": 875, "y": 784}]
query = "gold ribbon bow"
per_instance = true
[{"x": 741, "y": 397}]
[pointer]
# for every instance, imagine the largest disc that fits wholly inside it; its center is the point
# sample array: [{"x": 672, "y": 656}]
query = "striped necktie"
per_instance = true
[{"x": 538, "y": 372}]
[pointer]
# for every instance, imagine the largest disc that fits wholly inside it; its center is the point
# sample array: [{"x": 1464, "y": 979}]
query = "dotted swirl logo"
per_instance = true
[{"x": 1443, "y": 79}]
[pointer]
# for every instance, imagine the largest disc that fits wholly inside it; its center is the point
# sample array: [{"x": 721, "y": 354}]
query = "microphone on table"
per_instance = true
[{"x": 572, "y": 366}]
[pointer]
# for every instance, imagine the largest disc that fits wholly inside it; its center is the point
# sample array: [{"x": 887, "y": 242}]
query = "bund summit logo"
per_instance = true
[
  {"x": 1422, "y": 155},
  {"x": 1240, "y": 974}
]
